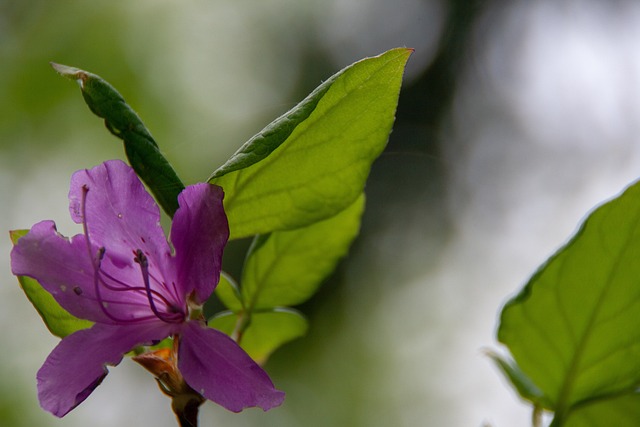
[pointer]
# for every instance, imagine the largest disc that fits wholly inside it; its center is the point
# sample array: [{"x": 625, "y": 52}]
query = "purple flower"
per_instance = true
[{"x": 124, "y": 276}]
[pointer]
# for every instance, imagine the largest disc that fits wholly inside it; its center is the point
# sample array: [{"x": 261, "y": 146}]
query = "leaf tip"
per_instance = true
[
  {"x": 14, "y": 235},
  {"x": 521, "y": 383},
  {"x": 407, "y": 50},
  {"x": 70, "y": 72}
]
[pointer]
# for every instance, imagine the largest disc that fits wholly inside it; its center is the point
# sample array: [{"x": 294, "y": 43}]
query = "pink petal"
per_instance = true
[
  {"x": 77, "y": 365},
  {"x": 60, "y": 265},
  {"x": 199, "y": 233},
  {"x": 216, "y": 367},
  {"x": 120, "y": 215},
  {"x": 65, "y": 269}
]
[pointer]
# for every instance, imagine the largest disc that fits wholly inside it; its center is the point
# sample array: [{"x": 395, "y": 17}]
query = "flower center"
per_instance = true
[
  {"x": 108, "y": 288},
  {"x": 141, "y": 259}
]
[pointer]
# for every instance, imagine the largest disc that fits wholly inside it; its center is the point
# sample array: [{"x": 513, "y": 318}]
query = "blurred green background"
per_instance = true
[{"x": 514, "y": 120}]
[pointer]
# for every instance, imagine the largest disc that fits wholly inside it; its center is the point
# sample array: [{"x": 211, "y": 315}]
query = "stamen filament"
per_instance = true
[
  {"x": 124, "y": 287},
  {"x": 172, "y": 290},
  {"x": 141, "y": 259},
  {"x": 96, "y": 284}
]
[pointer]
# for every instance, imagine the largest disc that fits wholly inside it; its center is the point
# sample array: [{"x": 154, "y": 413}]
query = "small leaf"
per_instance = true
[
  {"x": 285, "y": 268},
  {"x": 141, "y": 149},
  {"x": 59, "y": 321},
  {"x": 574, "y": 329},
  {"x": 267, "y": 331},
  {"x": 313, "y": 162},
  {"x": 522, "y": 384}
]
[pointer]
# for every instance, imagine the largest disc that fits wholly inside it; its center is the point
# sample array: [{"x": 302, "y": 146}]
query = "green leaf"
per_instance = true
[
  {"x": 141, "y": 149},
  {"x": 267, "y": 331},
  {"x": 285, "y": 268},
  {"x": 574, "y": 329},
  {"x": 229, "y": 293},
  {"x": 59, "y": 321},
  {"x": 313, "y": 162},
  {"x": 618, "y": 411}
]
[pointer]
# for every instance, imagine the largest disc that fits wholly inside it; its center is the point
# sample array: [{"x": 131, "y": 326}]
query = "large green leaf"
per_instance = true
[
  {"x": 141, "y": 149},
  {"x": 285, "y": 268},
  {"x": 574, "y": 329},
  {"x": 59, "y": 321},
  {"x": 267, "y": 330},
  {"x": 313, "y": 162},
  {"x": 618, "y": 411}
]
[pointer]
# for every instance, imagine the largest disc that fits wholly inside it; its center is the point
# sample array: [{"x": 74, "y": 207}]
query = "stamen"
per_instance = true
[
  {"x": 137, "y": 289},
  {"x": 83, "y": 212},
  {"x": 96, "y": 285},
  {"x": 171, "y": 290},
  {"x": 141, "y": 259}
]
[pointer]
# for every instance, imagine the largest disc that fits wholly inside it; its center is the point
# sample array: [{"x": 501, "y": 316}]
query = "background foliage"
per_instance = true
[{"x": 514, "y": 121}]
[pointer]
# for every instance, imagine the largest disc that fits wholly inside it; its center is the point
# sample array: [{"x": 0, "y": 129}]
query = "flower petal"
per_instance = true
[
  {"x": 77, "y": 365},
  {"x": 199, "y": 233},
  {"x": 60, "y": 265},
  {"x": 119, "y": 213},
  {"x": 216, "y": 367},
  {"x": 65, "y": 269}
]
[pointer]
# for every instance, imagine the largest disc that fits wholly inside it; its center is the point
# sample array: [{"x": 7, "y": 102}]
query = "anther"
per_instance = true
[{"x": 141, "y": 259}]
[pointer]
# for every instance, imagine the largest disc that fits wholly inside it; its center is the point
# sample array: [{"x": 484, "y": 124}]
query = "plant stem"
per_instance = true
[
  {"x": 186, "y": 409},
  {"x": 536, "y": 416},
  {"x": 243, "y": 322}
]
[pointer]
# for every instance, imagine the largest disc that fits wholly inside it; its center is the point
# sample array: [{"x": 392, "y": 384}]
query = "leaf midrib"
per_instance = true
[
  {"x": 562, "y": 408},
  {"x": 251, "y": 172}
]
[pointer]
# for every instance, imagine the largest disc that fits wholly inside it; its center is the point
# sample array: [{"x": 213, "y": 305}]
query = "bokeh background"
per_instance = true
[{"x": 515, "y": 119}]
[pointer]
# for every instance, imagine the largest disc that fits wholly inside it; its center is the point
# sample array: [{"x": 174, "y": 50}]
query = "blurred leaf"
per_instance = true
[
  {"x": 523, "y": 385},
  {"x": 313, "y": 162},
  {"x": 618, "y": 411},
  {"x": 59, "y": 322},
  {"x": 141, "y": 149},
  {"x": 285, "y": 268},
  {"x": 228, "y": 293},
  {"x": 574, "y": 329},
  {"x": 266, "y": 332}
]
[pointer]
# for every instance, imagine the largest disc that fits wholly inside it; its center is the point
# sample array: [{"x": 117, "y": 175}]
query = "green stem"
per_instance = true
[
  {"x": 536, "y": 416},
  {"x": 243, "y": 322}
]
